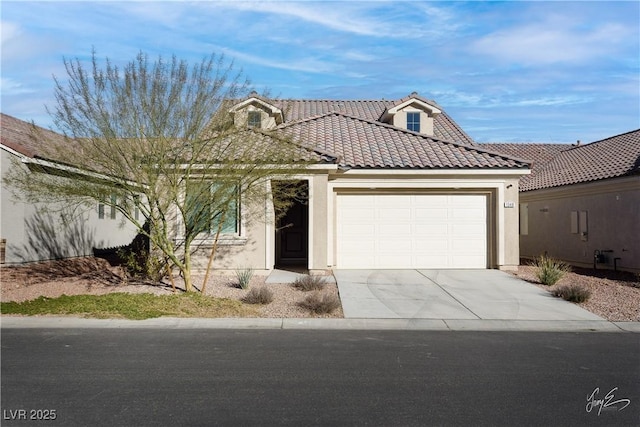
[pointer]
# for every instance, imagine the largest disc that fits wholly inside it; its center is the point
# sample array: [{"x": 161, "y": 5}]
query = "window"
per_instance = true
[
  {"x": 254, "y": 120},
  {"x": 112, "y": 212},
  {"x": 100, "y": 210},
  {"x": 413, "y": 122},
  {"x": 207, "y": 204}
]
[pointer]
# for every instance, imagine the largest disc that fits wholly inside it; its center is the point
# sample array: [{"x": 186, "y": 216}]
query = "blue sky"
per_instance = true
[{"x": 514, "y": 71}]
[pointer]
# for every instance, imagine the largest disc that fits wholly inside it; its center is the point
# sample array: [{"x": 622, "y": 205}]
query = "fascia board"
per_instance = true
[
  {"x": 433, "y": 110},
  {"x": 430, "y": 172}
]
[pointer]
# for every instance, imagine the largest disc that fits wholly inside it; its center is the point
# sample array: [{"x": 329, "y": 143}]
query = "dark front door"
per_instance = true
[{"x": 292, "y": 231}]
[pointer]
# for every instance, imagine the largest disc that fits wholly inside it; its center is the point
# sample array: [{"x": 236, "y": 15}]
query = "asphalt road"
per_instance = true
[{"x": 200, "y": 377}]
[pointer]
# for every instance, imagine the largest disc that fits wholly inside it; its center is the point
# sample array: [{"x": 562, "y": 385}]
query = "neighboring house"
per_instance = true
[
  {"x": 582, "y": 204},
  {"x": 400, "y": 186},
  {"x": 34, "y": 233}
]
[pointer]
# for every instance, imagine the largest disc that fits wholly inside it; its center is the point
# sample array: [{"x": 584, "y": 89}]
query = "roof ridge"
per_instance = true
[{"x": 589, "y": 144}]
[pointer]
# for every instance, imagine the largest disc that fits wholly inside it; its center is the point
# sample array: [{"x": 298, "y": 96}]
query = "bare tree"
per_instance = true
[{"x": 153, "y": 140}]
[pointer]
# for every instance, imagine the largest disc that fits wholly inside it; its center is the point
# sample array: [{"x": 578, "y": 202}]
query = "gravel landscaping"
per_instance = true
[
  {"x": 95, "y": 276},
  {"x": 614, "y": 296}
]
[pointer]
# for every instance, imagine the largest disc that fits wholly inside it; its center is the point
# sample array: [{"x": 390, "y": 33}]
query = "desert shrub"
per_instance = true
[
  {"x": 309, "y": 283},
  {"x": 142, "y": 264},
  {"x": 260, "y": 295},
  {"x": 549, "y": 270},
  {"x": 244, "y": 276},
  {"x": 320, "y": 302},
  {"x": 572, "y": 293}
]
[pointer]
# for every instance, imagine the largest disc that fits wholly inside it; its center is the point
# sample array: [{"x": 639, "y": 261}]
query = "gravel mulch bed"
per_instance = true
[
  {"x": 95, "y": 276},
  {"x": 615, "y": 296}
]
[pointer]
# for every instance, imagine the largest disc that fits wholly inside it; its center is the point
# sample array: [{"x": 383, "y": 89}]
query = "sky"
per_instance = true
[{"x": 516, "y": 71}]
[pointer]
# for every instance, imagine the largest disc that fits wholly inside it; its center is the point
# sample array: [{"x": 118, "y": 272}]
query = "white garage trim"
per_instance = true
[{"x": 411, "y": 231}]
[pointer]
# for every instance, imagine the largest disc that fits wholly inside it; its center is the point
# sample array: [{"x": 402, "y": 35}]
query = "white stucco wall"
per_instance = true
[{"x": 35, "y": 233}]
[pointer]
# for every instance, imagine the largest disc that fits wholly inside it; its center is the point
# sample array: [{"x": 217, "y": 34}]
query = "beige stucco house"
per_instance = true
[
  {"x": 581, "y": 203},
  {"x": 400, "y": 186},
  {"x": 42, "y": 232}
]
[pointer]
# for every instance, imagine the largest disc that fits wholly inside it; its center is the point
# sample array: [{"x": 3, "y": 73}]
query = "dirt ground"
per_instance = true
[
  {"x": 95, "y": 276},
  {"x": 614, "y": 296}
]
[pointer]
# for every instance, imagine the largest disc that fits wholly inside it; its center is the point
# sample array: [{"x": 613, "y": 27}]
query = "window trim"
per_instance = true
[{"x": 238, "y": 228}]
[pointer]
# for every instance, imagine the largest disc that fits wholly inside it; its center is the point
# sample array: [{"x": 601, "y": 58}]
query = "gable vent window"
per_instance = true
[
  {"x": 413, "y": 122},
  {"x": 254, "y": 120}
]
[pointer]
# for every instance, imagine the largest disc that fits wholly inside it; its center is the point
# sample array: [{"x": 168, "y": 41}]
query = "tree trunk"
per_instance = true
[
  {"x": 186, "y": 270},
  {"x": 214, "y": 249}
]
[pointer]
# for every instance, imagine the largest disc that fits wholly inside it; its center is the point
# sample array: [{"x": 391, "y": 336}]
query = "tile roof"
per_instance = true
[
  {"x": 32, "y": 141},
  {"x": 298, "y": 109},
  {"x": 538, "y": 154},
  {"x": 361, "y": 143},
  {"x": 609, "y": 158},
  {"x": 265, "y": 147},
  {"x": 26, "y": 138}
]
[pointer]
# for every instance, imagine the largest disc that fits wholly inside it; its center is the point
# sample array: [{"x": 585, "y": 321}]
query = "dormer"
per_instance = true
[
  {"x": 256, "y": 112},
  {"x": 413, "y": 113}
]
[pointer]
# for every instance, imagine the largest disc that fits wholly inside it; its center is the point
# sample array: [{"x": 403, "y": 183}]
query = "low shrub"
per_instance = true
[
  {"x": 309, "y": 283},
  {"x": 549, "y": 270},
  {"x": 320, "y": 302},
  {"x": 572, "y": 293},
  {"x": 244, "y": 276},
  {"x": 260, "y": 295}
]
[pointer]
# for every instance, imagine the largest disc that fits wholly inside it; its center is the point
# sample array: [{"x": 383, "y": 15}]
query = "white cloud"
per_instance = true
[
  {"x": 549, "y": 43},
  {"x": 309, "y": 65},
  {"x": 10, "y": 86},
  {"x": 342, "y": 18},
  {"x": 9, "y": 31}
]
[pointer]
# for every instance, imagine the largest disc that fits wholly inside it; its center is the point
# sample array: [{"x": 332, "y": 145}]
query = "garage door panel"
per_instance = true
[
  {"x": 426, "y": 231},
  {"x": 398, "y": 261},
  {"x": 431, "y": 246},
  {"x": 394, "y": 214},
  {"x": 411, "y": 231},
  {"x": 465, "y": 230},
  {"x": 463, "y": 246},
  {"x": 360, "y": 230},
  {"x": 355, "y": 215},
  {"x": 432, "y": 214},
  {"x": 394, "y": 229}
]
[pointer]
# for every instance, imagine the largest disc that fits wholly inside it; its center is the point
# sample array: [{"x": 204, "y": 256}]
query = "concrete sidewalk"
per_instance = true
[{"x": 7, "y": 322}]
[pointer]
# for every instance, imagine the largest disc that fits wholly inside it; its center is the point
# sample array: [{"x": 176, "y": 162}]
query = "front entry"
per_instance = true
[{"x": 292, "y": 223}]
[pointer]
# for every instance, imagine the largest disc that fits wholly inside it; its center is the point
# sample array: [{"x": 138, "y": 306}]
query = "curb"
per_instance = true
[{"x": 323, "y": 324}]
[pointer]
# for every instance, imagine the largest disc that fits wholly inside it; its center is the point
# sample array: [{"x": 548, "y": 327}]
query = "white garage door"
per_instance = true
[{"x": 411, "y": 231}]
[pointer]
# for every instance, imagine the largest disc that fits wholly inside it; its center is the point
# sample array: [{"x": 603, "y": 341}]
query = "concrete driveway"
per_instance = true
[{"x": 449, "y": 294}]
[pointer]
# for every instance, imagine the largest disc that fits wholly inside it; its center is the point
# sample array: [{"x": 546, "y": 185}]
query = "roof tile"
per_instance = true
[
  {"x": 608, "y": 158},
  {"x": 361, "y": 143}
]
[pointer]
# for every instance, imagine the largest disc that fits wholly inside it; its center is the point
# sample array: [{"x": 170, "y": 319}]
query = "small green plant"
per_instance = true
[
  {"x": 244, "y": 276},
  {"x": 572, "y": 293},
  {"x": 549, "y": 270},
  {"x": 320, "y": 302},
  {"x": 309, "y": 283},
  {"x": 260, "y": 295}
]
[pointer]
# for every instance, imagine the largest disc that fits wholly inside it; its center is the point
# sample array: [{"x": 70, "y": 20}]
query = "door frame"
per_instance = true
[{"x": 278, "y": 260}]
